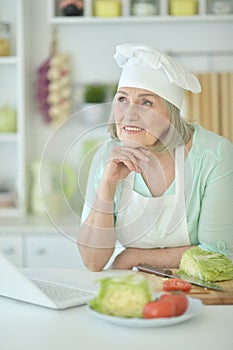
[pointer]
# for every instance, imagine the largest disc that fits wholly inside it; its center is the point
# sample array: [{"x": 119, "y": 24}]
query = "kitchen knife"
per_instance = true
[{"x": 168, "y": 273}]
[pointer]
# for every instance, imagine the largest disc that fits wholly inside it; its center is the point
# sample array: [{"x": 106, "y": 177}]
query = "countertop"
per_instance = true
[
  {"x": 31, "y": 327},
  {"x": 37, "y": 224}
]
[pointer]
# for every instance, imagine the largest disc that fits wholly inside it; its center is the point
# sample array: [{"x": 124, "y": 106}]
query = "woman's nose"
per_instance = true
[{"x": 131, "y": 112}]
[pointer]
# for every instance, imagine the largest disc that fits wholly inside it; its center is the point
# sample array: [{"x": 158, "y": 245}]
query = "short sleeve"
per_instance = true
[
  {"x": 215, "y": 229},
  {"x": 92, "y": 183},
  {"x": 94, "y": 176}
]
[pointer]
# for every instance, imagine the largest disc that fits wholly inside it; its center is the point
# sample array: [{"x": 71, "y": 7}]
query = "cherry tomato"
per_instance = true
[
  {"x": 159, "y": 308},
  {"x": 180, "y": 300},
  {"x": 176, "y": 284}
]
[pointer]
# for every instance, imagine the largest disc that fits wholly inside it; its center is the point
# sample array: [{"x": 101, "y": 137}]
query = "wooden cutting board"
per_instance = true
[
  {"x": 208, "y": 296},
  {"x": 214, "y": 297}
]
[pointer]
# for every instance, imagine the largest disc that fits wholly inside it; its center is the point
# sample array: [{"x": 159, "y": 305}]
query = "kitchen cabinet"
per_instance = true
[
  {"x": 11, "y": 246},
  {"x": 43, "y": 250},
  {"x": 54, "y": 250},
  {"x": 40, "y": 249},
  {"x": 12, "y": 177},
  {"x": 35, "y": 242}
]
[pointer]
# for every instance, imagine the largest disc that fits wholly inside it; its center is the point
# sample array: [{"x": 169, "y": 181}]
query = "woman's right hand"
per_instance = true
[{"x": 122, "y": 160}]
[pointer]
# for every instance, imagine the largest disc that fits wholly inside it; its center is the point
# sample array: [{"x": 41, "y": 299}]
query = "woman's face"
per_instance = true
[{"x": 141, "y": 117}]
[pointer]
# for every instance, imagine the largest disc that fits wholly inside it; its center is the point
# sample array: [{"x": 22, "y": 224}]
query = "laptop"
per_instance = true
[{"x": 14, "y": 284}]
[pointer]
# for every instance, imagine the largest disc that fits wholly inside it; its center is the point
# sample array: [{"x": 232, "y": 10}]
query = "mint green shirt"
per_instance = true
[{"x": 208, "y": 194}]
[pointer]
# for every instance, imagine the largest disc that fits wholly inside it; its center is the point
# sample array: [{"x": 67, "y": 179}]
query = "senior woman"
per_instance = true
[{"x": 160, "y": 185}]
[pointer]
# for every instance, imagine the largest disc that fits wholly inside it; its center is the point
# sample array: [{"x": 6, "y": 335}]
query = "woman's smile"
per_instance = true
[{"x": 132, "y": 129}]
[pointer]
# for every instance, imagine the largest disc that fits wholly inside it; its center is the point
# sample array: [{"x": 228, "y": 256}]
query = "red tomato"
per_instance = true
[
  {"x": 180, "y": 300},
  {"x": 159, "y": 308},
  {"x": 176, "y": 284}
]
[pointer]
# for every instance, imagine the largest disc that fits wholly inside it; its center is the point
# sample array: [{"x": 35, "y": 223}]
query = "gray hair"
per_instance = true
[{"x": 178, "y": 133}]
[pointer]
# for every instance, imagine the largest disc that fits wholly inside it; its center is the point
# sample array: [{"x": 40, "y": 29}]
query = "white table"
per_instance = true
[{"x": 31, "y": 327}]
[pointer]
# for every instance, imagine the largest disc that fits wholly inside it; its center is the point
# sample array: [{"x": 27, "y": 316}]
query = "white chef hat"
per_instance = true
[{"x": 147, "y": 68}]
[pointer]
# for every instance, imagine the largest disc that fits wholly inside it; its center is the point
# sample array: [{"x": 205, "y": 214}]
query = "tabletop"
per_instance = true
[{"x": 31, "y": 327}]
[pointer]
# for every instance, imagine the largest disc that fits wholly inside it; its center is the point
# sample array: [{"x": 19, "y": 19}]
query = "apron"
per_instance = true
[{"x": 153, "y": 222}]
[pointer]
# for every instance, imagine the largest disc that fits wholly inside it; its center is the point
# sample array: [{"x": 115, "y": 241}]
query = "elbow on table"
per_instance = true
[
  {"x": 90, "y": 261},
  {"x": 93, "y": 266}
]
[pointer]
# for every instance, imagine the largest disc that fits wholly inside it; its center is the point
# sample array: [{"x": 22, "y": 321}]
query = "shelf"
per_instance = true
[
  {"x": 8, "y": 137},
  {"x": 9, "y": 212},
  {"x": 138, "y": 19},
  {"x": 56, "y": 16},
  {"x": 5, "y": 60},
  {"x": 12, "y": 155}
]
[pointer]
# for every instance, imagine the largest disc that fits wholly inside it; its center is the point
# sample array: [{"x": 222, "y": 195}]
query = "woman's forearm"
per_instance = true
[
  {"x": 159, "y": 257},
  {"x": 96, "y": 239}
]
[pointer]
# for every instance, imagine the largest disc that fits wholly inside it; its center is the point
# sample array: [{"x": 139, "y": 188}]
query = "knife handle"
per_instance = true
[{"x": 152, "y": 269}]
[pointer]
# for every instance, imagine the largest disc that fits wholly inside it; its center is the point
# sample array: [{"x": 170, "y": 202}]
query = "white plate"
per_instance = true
[{"x": 195, "y": 306}]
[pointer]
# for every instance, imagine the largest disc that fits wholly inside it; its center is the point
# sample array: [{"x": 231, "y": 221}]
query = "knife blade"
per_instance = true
[{"x": 168, "y": 273}]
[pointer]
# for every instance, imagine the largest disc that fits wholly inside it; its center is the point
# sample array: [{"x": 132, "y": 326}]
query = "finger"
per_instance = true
[
  {"x": 132, "y": 166},
  {"x": 123, "y": 155},
  {"x": 132, "y": 160},
  {"x": 139, "y": 154},
  {"x": 129, "y": 157},
  {"x": 146, "y": 151}
]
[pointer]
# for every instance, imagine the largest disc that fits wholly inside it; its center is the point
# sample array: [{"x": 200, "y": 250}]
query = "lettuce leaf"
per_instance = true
[
  {"x": 123, "y": 296},
  {"x": 207, "y": 265}
]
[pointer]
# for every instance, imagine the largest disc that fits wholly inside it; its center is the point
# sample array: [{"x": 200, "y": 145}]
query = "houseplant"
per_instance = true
[
  {"x": 94, "y": 99},
  {"x": 95, "y": 93}
]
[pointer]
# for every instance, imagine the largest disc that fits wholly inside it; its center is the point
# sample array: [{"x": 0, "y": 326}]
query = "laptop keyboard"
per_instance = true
[{"x": 60, "y": 293}]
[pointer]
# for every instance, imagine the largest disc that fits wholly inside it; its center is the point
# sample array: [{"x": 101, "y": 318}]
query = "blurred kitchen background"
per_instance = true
[{"x": 57, "y": 81}]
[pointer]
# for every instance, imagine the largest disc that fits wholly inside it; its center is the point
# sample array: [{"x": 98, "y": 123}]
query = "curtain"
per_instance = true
[{"x": 213, "y": 107}]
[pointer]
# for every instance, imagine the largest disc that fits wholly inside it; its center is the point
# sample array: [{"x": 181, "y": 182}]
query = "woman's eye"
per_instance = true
[
  {"x": 147, "y": 103},
  {"x": 122, "y": 99}
]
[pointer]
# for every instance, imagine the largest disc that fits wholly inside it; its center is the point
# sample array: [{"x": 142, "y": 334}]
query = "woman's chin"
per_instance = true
[{"x": 131, "y": 143}]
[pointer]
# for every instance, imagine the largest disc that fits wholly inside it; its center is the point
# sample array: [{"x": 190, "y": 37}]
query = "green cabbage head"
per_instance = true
[
  {"x": 207, "y": 265},
  {"x": 123, "y": 295}
]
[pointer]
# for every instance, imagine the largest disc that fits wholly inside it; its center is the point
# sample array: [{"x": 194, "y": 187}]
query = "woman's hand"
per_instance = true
[{"x": 122, "y": 160}]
